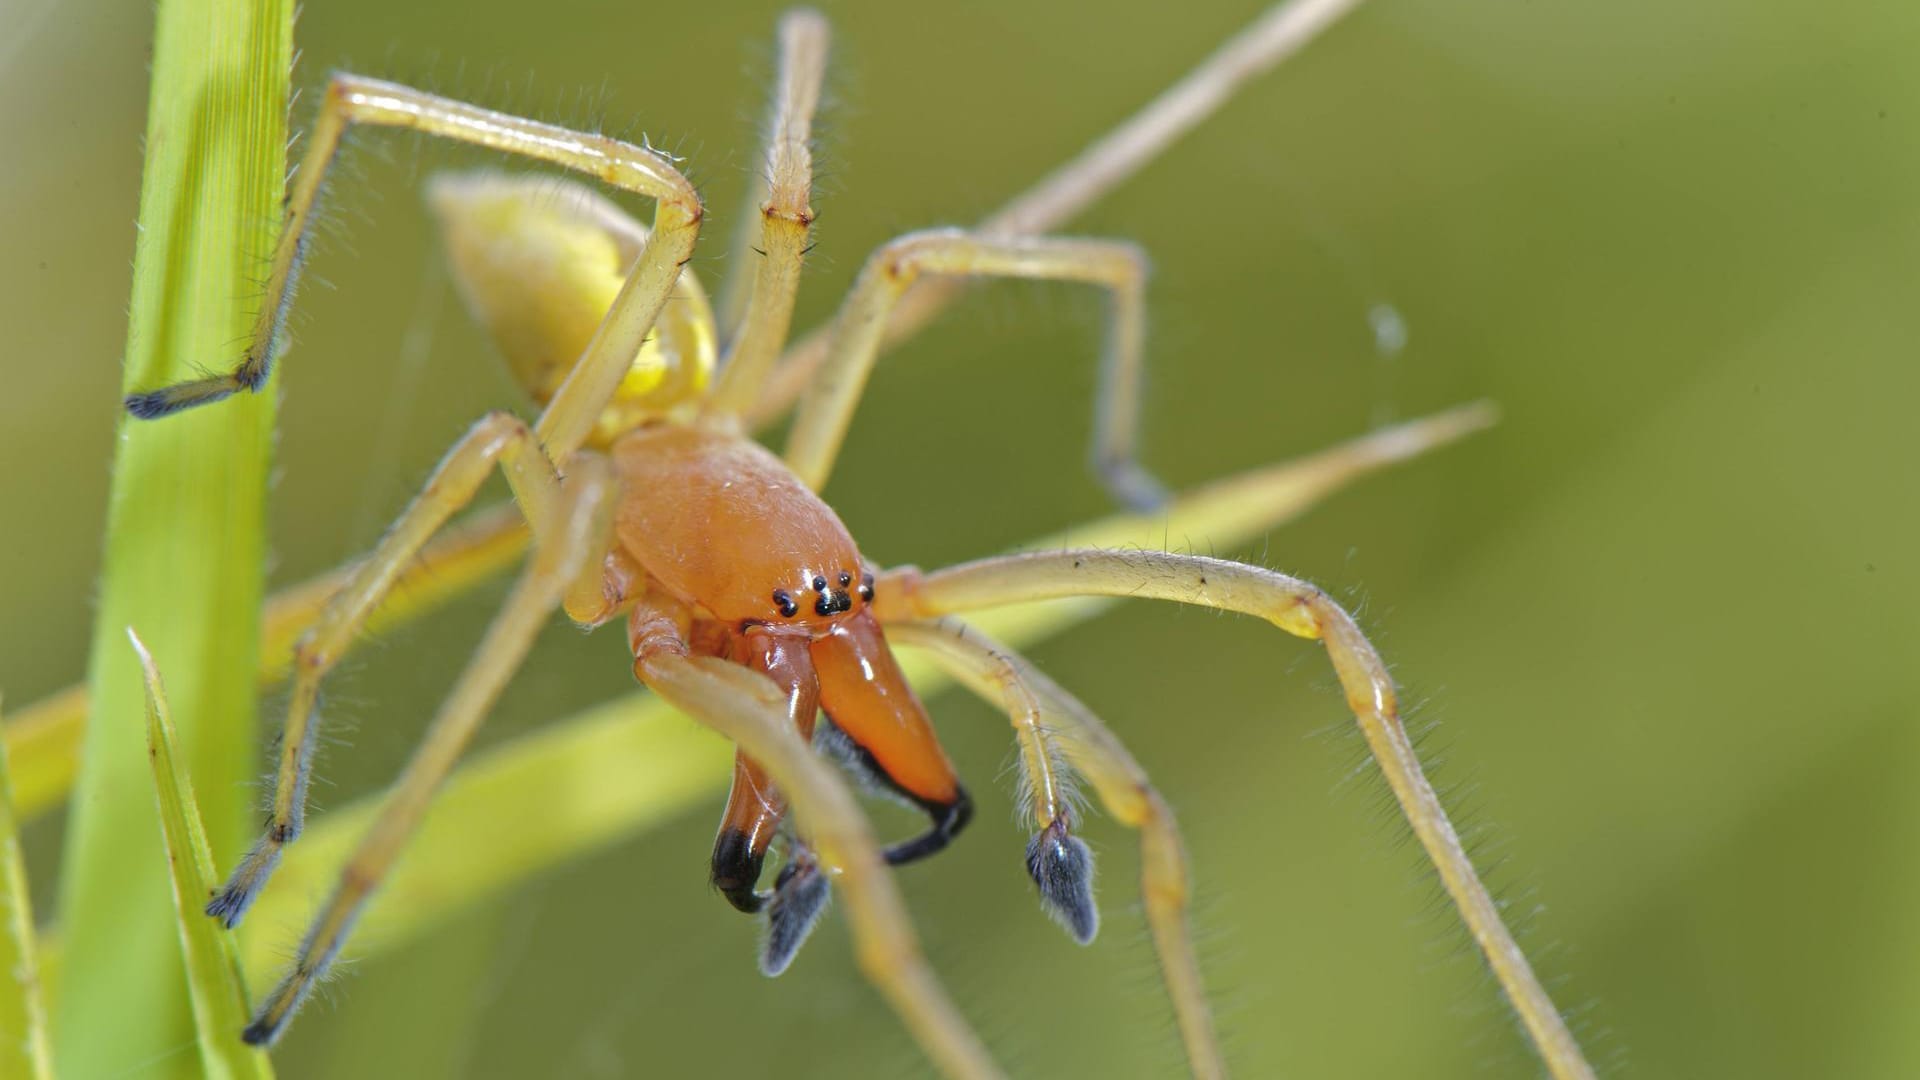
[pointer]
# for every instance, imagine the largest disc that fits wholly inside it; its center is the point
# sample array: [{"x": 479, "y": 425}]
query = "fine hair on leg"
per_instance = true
[
  {"x": 826, "y": 412},
  {"x": 992, "y": 670},
  {"x": 354, "y": 99},
  {"x": 574, "y": 540},
  {"x": 782, "y": 218},
  {"x": 1304, "y": 611},
  {"x": 747, "y": 709},
  {"x": 1116, "y": 156}
]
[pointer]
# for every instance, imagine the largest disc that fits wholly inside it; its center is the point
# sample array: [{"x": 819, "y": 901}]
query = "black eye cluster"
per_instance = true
[{"x": 832, "y": 600}]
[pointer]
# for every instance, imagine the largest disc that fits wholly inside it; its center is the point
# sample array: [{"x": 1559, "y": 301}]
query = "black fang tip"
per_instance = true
[
  {"x": 1062, "y": 867},
  {"x": 799, "y": 897},
  {"x": 736, "y": 870}
]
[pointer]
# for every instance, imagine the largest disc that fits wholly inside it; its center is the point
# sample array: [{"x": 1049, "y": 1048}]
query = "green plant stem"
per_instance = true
[
  {"x": 23, "y": 1023},
  {"x": 184, "y": 550}
]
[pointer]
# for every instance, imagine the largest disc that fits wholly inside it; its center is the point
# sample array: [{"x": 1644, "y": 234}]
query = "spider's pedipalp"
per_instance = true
[
  {"x": 799, "y": 897},
  {"x": 1046, "y": 715},
  {"x": 1062, "y": 869}
]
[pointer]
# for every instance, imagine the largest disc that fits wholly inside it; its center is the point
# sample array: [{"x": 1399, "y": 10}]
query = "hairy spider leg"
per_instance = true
[
  {"x": 527, "y": 455},
  {"x": 1280, "y": 32},
  {"x": 577, "y": 533},
  {"x": 757, "y": 326},
  {"x": 353, "y": 99},
  {"x": 826, "y": 412},
  {"x": 1304, "y": 611},
  {"x": 1042, "y": 710},
  {"x": 749, "y": 710},
  {"x": 498, "y": 439}
]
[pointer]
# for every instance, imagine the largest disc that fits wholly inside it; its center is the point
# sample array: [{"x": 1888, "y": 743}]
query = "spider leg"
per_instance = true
[
  {"x": 500, "y": 439},
  {"x": 1304, "y": 611},
  {"x": 758, "y": 314},
  {"x": 1043, "y": 712},
  {"x": 1060, "y": 864},
  {"x": 353, "y": 99},
  {"x": 576, "y": 534},
  {"x": 827, "y": 409},
  {"x": 1062, "y": 194},
  {"x": 751, "y": 711}
]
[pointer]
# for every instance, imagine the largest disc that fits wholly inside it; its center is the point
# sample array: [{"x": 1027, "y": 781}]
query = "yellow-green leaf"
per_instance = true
[
  {"x": 23, "y": 1019},
  {"x": 214, "y": 985},
  {"x": 185, "y": 551}
]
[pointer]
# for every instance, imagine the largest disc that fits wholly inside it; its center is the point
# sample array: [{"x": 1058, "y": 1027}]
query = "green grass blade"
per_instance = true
[
  {"x": 214, "y": 985},
  {"x": 24, "y": 1049},
  {"x": 184, "y": 550}
]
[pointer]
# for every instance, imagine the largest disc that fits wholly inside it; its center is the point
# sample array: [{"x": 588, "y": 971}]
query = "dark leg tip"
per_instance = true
[
  {"x": 799, "y": 897},
  {"x": 151, "y": 406},
  {"x": 229, "y": 905},
  {"x": 1134, "y": 488},
  {"x": 171, "y": 399},
  {"x": 260, "y": 1033},
  {"x": 1062, "y": 867}
]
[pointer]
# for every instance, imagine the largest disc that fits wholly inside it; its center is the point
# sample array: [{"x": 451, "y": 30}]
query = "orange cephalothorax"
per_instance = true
[
  {"x": 723, "y": 525},
  {"x": 728, "y": 530}
]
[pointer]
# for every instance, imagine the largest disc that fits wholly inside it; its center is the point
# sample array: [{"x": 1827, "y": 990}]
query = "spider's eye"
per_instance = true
[
  {"x": 819, "y": 584},
  {"x": 846, "y": 579},
  {"x": 784, "y": 601},
  {"x": 866, "y": 587}
]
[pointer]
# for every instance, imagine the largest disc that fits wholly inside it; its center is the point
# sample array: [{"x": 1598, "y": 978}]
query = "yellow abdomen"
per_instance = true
[{"x": 539, "y": 261}]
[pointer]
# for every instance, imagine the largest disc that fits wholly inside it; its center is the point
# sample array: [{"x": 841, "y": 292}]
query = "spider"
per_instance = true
[{"x": 748, "y": 605}]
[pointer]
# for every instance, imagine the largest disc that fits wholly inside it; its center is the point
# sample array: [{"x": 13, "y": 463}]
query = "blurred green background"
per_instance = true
[{"x": 1662, "y": 620}]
